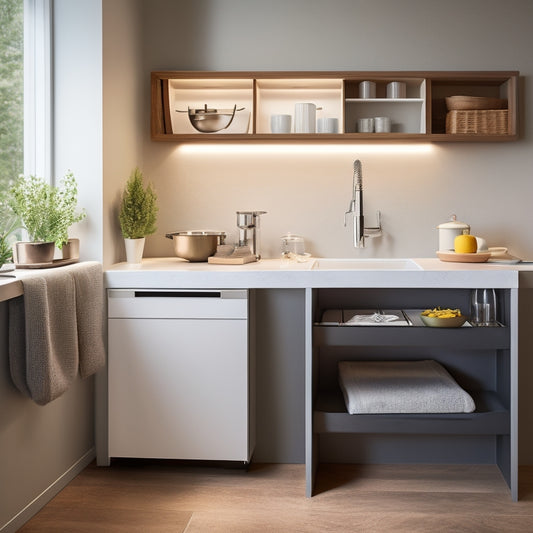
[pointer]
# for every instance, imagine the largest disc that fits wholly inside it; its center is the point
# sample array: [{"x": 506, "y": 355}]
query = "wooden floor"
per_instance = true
[{"x": 151, "y": 496}]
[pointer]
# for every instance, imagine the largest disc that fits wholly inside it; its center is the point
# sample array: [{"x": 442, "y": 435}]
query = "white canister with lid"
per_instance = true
[{"x": 449, "y": 230}]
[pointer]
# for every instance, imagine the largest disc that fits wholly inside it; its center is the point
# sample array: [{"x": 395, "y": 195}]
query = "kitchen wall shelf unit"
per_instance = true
[
  {"x": 479, "y": 358},
  {"x": 420, "y": 116}
]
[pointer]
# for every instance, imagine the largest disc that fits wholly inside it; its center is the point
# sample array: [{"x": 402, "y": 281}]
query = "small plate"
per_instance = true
[
  {"x": 436, "y": 322},
  {"x": 478, "y": 257}
]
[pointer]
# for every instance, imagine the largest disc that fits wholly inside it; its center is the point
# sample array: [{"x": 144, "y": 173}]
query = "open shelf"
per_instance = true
[
  {"x": 421, "y": 116},
  {"x": 465, "y": 337},
  {"x": 489, "y": 418}
]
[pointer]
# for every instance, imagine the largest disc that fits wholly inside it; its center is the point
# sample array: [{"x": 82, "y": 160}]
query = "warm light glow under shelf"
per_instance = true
[{"x": 244, "y": 148}]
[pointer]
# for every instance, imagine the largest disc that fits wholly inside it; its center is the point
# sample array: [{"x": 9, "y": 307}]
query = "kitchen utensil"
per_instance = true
[
  {"x": 292, "y": 244},
  {"x": 481, "y": 244},
  {"x": 305, "y": 117},
  {"x": 453, "y": 257},
  {"x": 327, "y": 125},
  {"x": 365, "y": 125},
  {"x": 382, "y": 124},
  {"x": 280, "y": 123},
  {"x": 248, "y": 224},
  {"x": 211, "y": 120},
  {"x": 483, "y": 307},
  {"x": 396, "y": 89},
  {"x": 367, "y": 89},
  {"x": 449, "y": 230},
  {"x": 196, "y": 246}
]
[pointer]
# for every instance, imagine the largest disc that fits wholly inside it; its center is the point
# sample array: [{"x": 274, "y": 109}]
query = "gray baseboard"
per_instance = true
[{"x": 33, "y": 507}]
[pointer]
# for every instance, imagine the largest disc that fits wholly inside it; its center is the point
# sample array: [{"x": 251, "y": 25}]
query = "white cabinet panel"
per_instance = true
[{"x": 179, "y": 389}]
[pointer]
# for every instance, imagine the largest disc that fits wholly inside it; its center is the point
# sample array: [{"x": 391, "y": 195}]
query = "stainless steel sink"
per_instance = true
[{"x": 365, "y": 264}]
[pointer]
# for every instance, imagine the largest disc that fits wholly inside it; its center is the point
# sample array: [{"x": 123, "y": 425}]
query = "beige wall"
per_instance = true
[{"x": 307, "y": 191}]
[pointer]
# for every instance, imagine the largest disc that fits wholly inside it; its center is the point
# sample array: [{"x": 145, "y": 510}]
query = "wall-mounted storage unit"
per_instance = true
[{"x": 248, "y": 99}]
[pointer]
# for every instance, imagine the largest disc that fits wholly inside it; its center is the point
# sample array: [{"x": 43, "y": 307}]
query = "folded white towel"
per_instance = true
[
  {"x": 371, "y": 387},
  {"x": 371, "y": 320}
]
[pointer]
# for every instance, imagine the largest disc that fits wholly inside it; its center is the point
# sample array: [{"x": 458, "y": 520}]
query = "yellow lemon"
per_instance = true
[{"x": 465, "y": 244}]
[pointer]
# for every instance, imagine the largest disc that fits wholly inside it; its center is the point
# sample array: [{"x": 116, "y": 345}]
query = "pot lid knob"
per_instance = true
[{"x": 453, "y": 223}]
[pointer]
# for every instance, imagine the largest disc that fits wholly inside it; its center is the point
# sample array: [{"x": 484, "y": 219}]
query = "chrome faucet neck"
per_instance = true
[{"x": 356, "y": 210}]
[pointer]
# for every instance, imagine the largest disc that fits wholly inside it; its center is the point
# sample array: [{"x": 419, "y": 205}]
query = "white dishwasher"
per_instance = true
[{"x": 180, "y": 376}]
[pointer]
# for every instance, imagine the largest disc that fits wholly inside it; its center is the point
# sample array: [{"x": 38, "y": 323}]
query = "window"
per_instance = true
[
  {"x": 11, "y": 90},
  {"x": 25, "y": 100}
]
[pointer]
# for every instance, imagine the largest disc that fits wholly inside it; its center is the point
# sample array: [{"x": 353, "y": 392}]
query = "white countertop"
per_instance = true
[{"x": 170, "y": 272}]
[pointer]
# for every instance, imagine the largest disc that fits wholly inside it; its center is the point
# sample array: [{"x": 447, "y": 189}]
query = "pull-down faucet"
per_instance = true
[{"x": 356, "y": 209}]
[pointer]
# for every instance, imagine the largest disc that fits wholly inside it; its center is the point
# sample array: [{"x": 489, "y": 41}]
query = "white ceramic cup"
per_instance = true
[
  {"x": 280, "y": 123},
  {"x": 367, "y": 89},
  {"x": 304, "y": 118},
  {"x": 327, "y": 125},
  {"x": 365, "y": 125},
  {"x": 382, "y": 124},
  {"x": 481, "y": 245},
  {"x": 396, "y": 89}
]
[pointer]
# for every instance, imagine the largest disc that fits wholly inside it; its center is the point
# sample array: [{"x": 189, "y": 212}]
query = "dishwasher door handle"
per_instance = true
[
  {"x": 178, "y": 294},
  {"x": 224, "y": 294}
]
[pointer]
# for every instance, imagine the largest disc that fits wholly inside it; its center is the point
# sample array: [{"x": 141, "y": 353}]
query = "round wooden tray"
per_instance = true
[{"x": 478, "y": 257}]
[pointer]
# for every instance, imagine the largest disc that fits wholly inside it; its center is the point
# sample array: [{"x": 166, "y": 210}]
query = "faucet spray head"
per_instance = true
[{"x": 357, "y": 175}]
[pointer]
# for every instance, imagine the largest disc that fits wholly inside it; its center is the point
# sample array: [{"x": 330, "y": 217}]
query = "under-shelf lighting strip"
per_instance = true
[{"x": 241, "y": 148}]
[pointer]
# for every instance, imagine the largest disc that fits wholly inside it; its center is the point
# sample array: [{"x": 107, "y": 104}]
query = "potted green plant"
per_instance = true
[
  {"x": 137, "y": 216},
  {"x": 46, "y": 212},
  {"x": 8, "y": 226}
]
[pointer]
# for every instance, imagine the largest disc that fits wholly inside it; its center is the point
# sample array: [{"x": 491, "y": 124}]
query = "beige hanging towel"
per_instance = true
[{"x": 56, "y": 329}]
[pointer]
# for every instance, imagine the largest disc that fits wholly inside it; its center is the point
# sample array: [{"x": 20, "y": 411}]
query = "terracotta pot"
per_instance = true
[
  {"x": 29, "y": 253},
  {"x": 71, "y": 250}
]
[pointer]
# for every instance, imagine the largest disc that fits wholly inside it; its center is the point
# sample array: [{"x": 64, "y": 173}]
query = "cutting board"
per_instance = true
[
  {"x": 231, "y": 260},
  {"x": 478, "y": 257}
]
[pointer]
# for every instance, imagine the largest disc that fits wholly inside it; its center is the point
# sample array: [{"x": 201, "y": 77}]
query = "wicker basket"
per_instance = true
[
  {"x": 456, "y": 103},
  {"x": 486, "y": 122}
]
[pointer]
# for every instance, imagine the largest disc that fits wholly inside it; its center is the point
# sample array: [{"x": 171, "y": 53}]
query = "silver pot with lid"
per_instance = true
[{"x": 449, "y": 230}]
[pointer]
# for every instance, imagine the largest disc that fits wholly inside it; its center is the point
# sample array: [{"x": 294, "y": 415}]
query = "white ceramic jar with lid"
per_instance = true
[{"x": 449, "y": 230}]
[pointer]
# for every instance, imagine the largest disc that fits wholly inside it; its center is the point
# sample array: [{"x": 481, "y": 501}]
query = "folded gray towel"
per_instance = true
[
  {"x": 372, "y": 387},
  {"x": 55, "y": 329}
]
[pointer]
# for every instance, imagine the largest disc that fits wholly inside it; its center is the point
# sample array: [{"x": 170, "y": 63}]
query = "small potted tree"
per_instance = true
[
  {"x": 46, "y": 212},
  {"x": 137, "y": 216}
]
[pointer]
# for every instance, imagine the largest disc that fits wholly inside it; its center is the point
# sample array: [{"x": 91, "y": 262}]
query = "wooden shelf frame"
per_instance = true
[{"x": 426, "y": 91}]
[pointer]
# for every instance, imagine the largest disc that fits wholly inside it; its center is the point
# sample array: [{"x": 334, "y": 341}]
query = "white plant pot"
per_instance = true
[{"x": 134, "y": 250}]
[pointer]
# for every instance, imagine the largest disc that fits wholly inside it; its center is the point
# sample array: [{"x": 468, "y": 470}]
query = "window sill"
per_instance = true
[{"x": 10, "y": 288}]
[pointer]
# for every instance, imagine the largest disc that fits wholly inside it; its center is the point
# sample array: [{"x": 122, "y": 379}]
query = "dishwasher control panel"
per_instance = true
[{"x": 155, "y": 303}]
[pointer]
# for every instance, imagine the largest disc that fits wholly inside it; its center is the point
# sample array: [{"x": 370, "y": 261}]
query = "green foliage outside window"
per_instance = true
[{"x": 11, "y": 91}]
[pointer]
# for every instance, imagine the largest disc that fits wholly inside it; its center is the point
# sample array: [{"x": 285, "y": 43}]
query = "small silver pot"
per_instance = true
[
  {"x": 196, "y": 246},
  {"x": 210, "y": 120}
]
